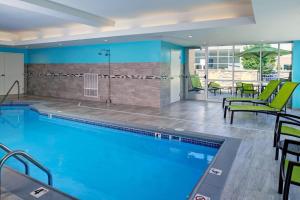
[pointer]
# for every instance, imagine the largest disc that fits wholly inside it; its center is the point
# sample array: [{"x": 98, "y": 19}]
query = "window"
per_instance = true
[
  {"x": 285, "y": 61},
  {"x": 220, "y": 57}
]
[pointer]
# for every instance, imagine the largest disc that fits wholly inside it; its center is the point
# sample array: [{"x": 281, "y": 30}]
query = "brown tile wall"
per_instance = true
[{"x": 132, "y": 91}]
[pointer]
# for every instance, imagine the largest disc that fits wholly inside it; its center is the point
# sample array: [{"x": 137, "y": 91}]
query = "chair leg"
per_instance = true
[
  {"x": 276, "y": 131},
  {"x": 276, "y": 153},
  {"x": 285, "y": 109},
  {"x": 274, "y": 139},
  {"x": 280, "y": 184},
  {"x": 223, "y": 105},
  {"x": 287, "y": 184},
  {"x": 225, "y": 111},
  {"x": 231, "y": 120}
]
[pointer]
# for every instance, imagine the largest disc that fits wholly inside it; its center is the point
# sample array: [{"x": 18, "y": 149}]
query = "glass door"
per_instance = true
[
  {"x": 220, "y": 72},
  {"x": 196, "y": 74}
]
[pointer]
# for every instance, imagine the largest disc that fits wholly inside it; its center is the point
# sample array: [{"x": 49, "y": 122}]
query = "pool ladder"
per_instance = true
[
  {"x": 17, "y": 83},
  {"x": 21, "y": 156}
]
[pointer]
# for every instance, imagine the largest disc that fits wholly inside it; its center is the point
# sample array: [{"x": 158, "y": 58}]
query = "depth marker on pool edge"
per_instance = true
[
  {"x": 201, "y": 197},
  {"x": 215, "y": 171},
  {"x": 37, "y": 193}
]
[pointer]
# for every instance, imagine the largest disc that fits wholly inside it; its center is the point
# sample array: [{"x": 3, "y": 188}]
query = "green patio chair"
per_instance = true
[
  {"x": 248, "y": 89},
  {"x": 287, "y": 125},
  {"x": 289, "y": 170},
  {"x": 238, "y": 87},
  {"x": 196, "y": 83},
  {"x": 214, "y": 87},
  {"x": 273, "y": 108},
  {"x": 262, "y": 97}
]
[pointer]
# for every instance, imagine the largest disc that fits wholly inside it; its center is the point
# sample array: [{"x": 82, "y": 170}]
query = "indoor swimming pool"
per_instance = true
[{"x": 93, "y": 162}]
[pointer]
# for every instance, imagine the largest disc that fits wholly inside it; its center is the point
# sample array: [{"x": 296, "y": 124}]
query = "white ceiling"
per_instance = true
[
  {"x": 210, "y": 22},
  {"x": 15, "y": 19},
  {"x": 132, "y": 9}
]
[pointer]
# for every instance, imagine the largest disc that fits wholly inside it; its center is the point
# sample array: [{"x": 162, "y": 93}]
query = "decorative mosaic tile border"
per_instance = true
[
  {"x": 101, "y": 76},
  {"x": 159, "y": 133}
]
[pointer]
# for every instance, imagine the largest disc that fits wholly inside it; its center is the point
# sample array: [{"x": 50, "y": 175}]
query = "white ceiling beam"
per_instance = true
[
  {"x": 60, "y": 11},
  {"x": 132, "y": 32}
]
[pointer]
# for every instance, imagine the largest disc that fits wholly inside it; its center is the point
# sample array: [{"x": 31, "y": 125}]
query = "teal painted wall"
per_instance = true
[
  {"x": 16, "y": 50},
  {"x": 166, "y": 49},
  {"x": 296, "y": 73},
  {"x": 144, "y": 51}
]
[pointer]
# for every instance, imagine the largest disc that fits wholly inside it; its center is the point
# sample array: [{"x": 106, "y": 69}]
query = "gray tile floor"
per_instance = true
[{"x": 254, "y": 174}]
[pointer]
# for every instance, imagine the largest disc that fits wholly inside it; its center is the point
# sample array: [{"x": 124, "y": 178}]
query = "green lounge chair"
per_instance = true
[
  {"x": 214, "y": 87},
  {"x": 273, "y": 108},
  {"x": 287, "y": 125},
  {"x": 196, "y": 83},
  {"x": 289, "y": 170},
  {"x": 262, "y": 97}
]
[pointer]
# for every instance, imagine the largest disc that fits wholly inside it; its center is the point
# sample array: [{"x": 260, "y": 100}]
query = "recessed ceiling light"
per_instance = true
[{"x": 190, "y": 36}]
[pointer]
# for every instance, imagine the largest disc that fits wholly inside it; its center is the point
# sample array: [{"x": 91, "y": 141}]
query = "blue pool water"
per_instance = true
[{"x": 97, "y": 163}]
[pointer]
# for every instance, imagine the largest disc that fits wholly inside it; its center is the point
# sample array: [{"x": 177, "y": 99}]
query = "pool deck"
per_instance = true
[
  {"x": 20, "y": 187},
  {"x": 254, "y": 174}
]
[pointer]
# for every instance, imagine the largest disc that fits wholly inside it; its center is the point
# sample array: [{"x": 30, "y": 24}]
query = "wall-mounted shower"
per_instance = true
[{"x": 106, "y": 53}]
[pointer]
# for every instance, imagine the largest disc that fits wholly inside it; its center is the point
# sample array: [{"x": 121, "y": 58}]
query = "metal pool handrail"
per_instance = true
[
  {"x": 7, "y": 150},
  {"x": 10, "y": 89},
  {"x": 30, "y": 159}
]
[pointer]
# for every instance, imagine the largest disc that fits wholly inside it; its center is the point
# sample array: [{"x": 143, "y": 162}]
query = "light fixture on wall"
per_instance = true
[{"x": 106, "y": 53}]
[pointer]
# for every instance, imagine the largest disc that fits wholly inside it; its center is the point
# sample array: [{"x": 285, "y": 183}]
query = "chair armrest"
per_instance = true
[
  {"x": 288, "y": 122},
  {"x": 291, "y": 117},
  {"x": 260, "y": 102},
  {"x": 286, "y": 144},
  {"x": 294, "y": 163},
  {"x": 278, "y": 125},
  {"x": 285, "y": 115}
]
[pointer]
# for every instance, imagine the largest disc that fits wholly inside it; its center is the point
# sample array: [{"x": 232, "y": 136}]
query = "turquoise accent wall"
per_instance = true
[
  {"x": 166, "y": 49},
  {"x": 16, "y": 50},
  {"x": 296, "y": 73},
  {"x": 144, "y": 51}
]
